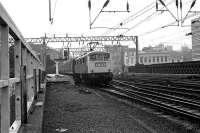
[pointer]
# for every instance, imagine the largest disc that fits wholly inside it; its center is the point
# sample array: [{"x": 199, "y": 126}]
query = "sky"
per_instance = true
[{"x": 72, "y": 18}]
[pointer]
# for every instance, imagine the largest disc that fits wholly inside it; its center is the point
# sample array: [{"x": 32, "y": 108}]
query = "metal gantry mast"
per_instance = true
[
  {"x": 45, "y": 40},
  {"x": 80, "y": 39}
]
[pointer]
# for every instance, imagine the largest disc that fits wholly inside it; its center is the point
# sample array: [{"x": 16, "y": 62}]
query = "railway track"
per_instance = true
[
  {"x": 171, "y": 81},
  {"x": 171, "y": 101},
  {"x": 187, "y": 93}
]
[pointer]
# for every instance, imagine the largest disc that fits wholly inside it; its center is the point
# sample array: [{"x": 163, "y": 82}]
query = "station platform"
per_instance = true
[
  {"x": 35, "y": 117},
  {"x": 79, "y": 109}
]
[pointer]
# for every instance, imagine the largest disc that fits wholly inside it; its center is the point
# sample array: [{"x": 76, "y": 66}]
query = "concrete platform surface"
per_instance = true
[{"x": 35, "y": 117}]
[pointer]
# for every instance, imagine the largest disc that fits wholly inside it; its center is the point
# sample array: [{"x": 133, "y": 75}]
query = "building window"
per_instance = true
[
  {"x": 149, "y": 59},
  {"x": 153, "y": 59},
  {"x": 141, "y": 59},
  {"x": 158, "y": 59},
  {"x": 145, "y": 59},
  {"x": 165, "y": 58},
  {"x": 161, "y": 59}
]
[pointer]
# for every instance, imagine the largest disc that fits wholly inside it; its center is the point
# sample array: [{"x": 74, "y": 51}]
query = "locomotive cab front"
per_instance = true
[{"x": 99, "y": 67}]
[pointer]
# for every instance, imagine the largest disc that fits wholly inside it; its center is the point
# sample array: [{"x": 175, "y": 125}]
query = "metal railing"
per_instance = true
[{"x": 27, "y": 71}]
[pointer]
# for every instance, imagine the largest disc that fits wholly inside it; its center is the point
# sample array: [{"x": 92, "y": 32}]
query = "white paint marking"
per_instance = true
[{"x": 143, "y": 124}]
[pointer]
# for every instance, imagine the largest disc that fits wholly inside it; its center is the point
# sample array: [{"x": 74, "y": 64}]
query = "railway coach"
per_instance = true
[{"x": 93, "y": 67}]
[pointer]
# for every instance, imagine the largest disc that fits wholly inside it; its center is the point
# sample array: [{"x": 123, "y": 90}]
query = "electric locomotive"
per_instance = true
[{"x": 93, "y": 67}]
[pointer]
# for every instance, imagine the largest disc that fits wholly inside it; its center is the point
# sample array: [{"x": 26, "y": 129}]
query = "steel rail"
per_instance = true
[
  {"x": 157, "y": 91},
  {"x": 162, "y": 97},
  {"x": 130, "y": 94},
  {"x": 172, "y": 83},
  {"x": 154, "y": 103},
  {"x": 169, "y": 89}
]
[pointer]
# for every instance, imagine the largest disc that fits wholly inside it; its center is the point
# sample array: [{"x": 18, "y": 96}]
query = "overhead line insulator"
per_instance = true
[
  {"x": 89, "y": 5},
  {"x": 177, "y": 3},
  {"x": 127, "y": 6},
  {"x": 106, "y": 3}
]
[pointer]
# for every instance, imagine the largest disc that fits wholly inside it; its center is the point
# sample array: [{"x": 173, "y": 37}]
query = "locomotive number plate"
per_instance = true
[{"x": 100, "y": 64}]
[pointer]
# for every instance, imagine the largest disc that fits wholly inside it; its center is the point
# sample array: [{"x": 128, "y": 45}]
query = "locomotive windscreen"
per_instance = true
[{"x": 99, "y": 57}]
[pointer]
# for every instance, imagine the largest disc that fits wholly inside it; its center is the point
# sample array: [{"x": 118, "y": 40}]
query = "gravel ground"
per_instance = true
[{"x": 70, "y": 109}]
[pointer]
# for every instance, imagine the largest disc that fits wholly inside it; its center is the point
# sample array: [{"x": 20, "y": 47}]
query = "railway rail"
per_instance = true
[
  {"x": 171, "y": 101},
  {"x": 176, "y": 82},
  {"x": 189, "y": 93}
]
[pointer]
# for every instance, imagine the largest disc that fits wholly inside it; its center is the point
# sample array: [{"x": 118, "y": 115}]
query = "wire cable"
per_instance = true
[
  {"x": 54, "y": 10},
  {"x": 127, "y": 20},
  {"x": 156, "y": 29},
  {"x": 146, "y": 19},
  {"x": 140, "y": 12},
  {"x": 159, "y": 28}
]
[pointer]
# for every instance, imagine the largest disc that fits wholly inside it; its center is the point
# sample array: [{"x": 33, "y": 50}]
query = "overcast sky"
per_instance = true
[{"x": 72, "y": 17}]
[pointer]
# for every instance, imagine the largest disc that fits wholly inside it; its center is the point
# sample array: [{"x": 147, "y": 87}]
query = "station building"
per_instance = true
[
  {"x": 158, "y": 55},
  {"x": 148, "y": 58},
  {"x": 195, "y": 28}
]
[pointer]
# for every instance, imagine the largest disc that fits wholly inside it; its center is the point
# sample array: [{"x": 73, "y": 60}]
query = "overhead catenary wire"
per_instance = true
[
  {"x": 156, "y": 29},
  {"x": 181, "y": 36},
  {"x": 171, "y": 34},
  {"x": 105, "y": 5},
  {"x": 127, "y": 20},
  {"x": 168, "y": 10},
  {"x": 145, "y": 19},
  {"x": 54, "y": 10},
  {"x": 159, "y": 28},
  {"x": 139, "y": 13},
  {"x": 191, "y": 6},
  {"x": 178, "y": 36}
]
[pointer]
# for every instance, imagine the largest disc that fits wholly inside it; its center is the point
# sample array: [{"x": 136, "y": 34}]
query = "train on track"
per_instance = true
[{"x": 92, "y": 67}]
